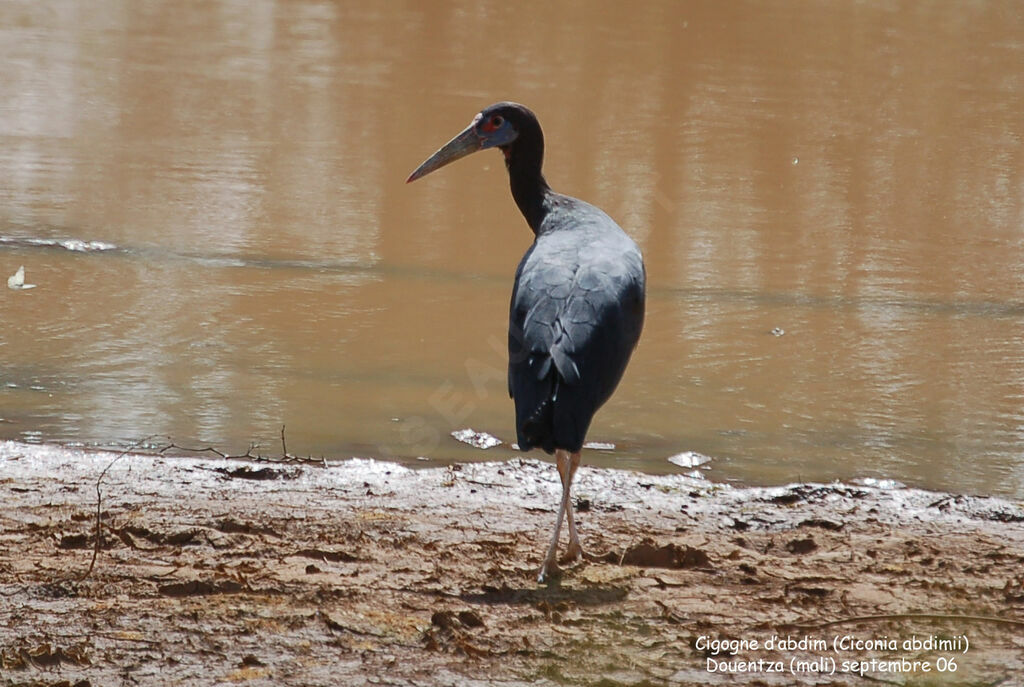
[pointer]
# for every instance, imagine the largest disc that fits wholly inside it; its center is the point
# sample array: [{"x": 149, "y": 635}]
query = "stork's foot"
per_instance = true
[
  {"x": 549, "y": 571},
  {"x": 574, "y": 554}
]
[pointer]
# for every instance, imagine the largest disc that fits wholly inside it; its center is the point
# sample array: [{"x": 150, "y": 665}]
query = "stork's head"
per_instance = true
[{"x": 499, "y": 126}]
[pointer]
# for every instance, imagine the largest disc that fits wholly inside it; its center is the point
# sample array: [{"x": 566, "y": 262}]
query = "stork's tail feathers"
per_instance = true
[{"x": 538, "y": 429}]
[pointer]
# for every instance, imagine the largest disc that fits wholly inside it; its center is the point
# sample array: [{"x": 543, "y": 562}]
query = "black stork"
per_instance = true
[{"x": 577, "y": 303}]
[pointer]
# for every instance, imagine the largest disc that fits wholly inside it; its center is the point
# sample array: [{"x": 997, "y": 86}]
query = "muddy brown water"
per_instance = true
[{"x": 210, "y": 200}]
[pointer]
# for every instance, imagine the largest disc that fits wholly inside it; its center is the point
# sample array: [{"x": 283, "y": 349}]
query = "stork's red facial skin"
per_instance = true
[{"x": 492, "y": 124}]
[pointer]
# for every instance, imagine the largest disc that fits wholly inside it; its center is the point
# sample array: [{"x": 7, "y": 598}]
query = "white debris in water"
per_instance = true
[
  {"x": 878, "y": 483},
  {"x": 79, "y": 246},
  {"x": 481, "y": 440},
  {"x": 778, "y": 331},
  {"x": 689, "y": 459},
  {"x": 600, "y": 445},
  {"x": 17, "y": 280},
  {"x": 74, "y": 245}
]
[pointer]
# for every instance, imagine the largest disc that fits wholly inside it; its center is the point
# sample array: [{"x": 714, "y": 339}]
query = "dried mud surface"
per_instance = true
[{"x": 217, "y": 572}]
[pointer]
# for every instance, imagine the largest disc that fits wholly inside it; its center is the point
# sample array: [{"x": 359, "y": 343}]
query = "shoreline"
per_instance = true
[{"x": 217, "y": 571}]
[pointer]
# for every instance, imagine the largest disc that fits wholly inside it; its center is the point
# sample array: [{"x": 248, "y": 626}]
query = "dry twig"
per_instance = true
[{"x": 99, "y": 503}]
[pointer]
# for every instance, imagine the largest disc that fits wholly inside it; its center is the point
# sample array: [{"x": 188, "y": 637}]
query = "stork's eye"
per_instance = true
[{"x": 497, "y": 120}]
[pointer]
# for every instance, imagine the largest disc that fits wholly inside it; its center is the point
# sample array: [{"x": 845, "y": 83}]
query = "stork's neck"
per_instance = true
[{"x": 529, "y": 189}]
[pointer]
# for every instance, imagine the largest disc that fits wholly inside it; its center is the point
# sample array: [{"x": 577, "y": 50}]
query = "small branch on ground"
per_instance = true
[
  {"x": 250, "y": 454},
  {"x": 97, "y": 533}
]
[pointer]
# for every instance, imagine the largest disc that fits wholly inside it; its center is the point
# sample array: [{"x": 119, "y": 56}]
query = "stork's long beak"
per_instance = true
[{"x": 468, "y": 141}]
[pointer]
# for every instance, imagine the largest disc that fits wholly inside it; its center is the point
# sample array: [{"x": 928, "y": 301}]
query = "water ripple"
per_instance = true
[{"x": 73, "y": 245}]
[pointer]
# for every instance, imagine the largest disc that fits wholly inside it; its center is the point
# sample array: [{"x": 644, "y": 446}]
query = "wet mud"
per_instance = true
[{"x": 215, "y": 572}]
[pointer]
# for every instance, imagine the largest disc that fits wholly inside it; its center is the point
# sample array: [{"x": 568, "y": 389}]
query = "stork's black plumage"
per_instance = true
[
  {"x": 576, "y": 313},
  {"x": 577, "y": 304}
]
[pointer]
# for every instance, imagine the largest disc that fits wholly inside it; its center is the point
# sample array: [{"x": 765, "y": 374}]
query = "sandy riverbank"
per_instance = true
[{"x": 218, "y": 572}]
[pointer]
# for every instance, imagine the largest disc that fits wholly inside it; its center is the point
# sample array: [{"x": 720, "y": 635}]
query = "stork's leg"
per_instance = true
[
  {"x": 575, "y": 550},
  {"x": 550, "y": 564}
]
